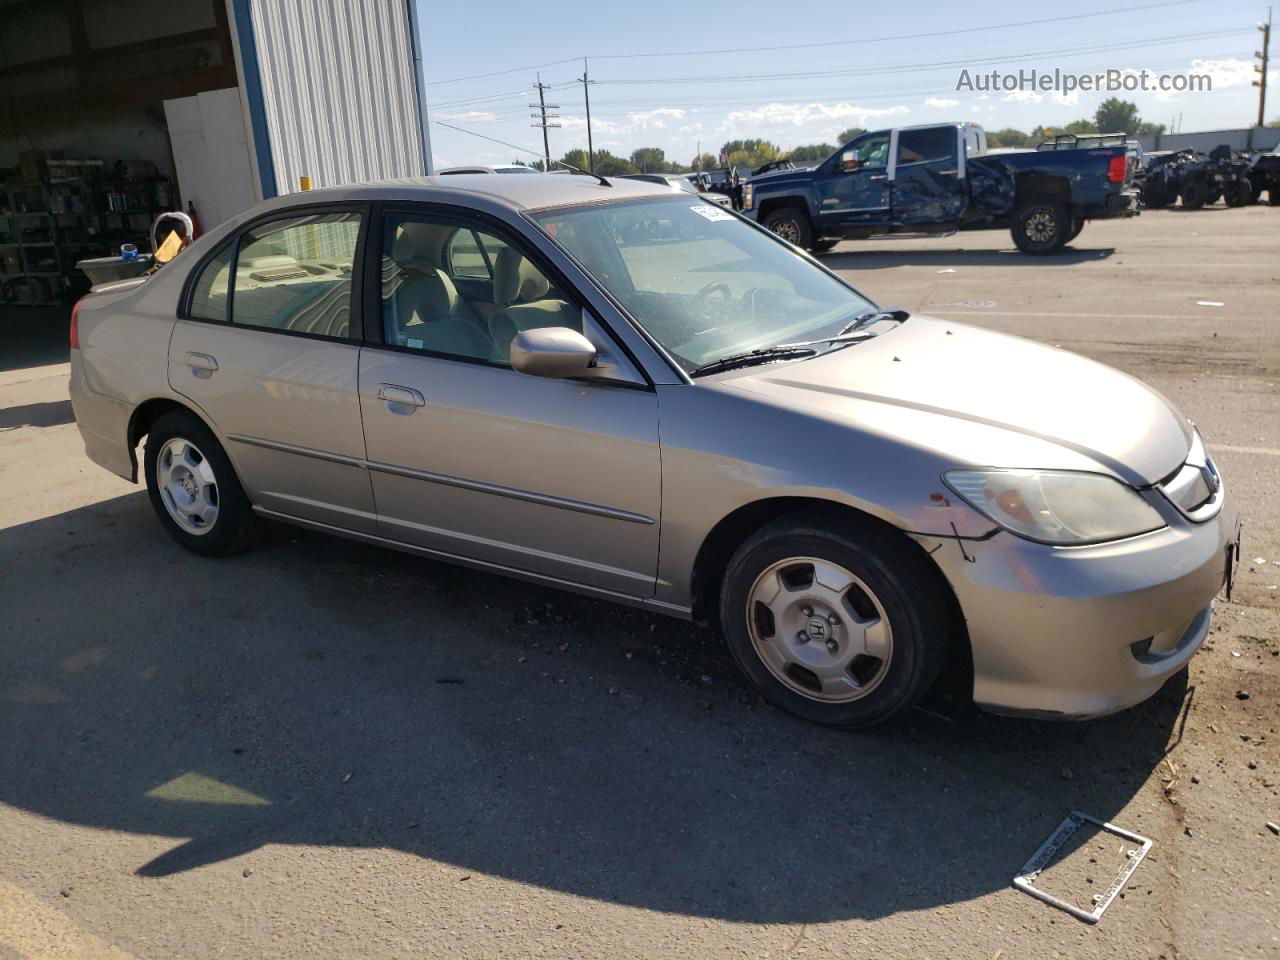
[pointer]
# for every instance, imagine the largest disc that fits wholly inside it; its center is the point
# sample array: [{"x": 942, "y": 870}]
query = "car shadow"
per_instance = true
[
  {"x": 853, "y": 258},
  {"x": 50, "y": 414},
  {"x": 317, "y": 691}
]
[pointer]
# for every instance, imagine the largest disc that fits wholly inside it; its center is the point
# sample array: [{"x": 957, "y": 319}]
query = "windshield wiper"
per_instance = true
[
  {"x": 750, "y": 357},
  {"x": 883, "y": 313}
]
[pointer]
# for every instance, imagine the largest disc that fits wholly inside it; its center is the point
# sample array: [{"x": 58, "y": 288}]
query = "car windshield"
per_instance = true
[{"x": 704, "y": 283}]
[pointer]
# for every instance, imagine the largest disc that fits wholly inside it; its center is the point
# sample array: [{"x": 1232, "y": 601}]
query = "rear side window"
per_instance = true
[
  {"x": 295, "y": 274},
  {"x": 923, "y": 146},
  {"x": 212, "y": 291}
]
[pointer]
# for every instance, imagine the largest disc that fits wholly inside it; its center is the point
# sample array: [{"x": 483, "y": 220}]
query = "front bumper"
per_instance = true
[{"x": 1084, "y": 631}]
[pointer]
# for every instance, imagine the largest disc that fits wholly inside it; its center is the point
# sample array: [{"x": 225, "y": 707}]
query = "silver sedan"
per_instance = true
[{"x": 608, "y": 387}]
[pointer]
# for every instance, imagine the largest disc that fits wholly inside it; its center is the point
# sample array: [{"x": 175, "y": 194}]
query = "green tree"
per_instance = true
[
  {"x": 811, "y": 153},
  {"x": 574, "y": 158},
  {"x": 1117, "y": 116},
  {"x": 847, "y": 135},
  {"x": 1011, "y": 137},
  {"x": 707, "y": 161},
  {"x": 1150, "y": 129},
  {"x": 649, "y": 159},
  {"x": 750, "y": 153},
  {"x": 610, "y": 166}
]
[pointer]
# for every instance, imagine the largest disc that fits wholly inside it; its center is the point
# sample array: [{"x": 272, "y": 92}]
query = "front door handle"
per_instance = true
[
  {"x": 405, "y": 396},
  {"x": 948, "y": 173},
  {"x": 202, "y": 361},
  {"x": 878, "y": 176}
]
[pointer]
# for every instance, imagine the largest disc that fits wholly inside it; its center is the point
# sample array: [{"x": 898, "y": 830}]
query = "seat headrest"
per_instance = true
[
  {"x": 428, "y": 295},
  {"x": 516, "y": 280},
  {"x": 413, "y": 242}
]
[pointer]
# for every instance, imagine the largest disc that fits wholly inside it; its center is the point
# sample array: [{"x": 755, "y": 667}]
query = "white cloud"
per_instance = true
[
  {"x": 798, "y": 115},
  {"x": 1066, "y": 99},
  {"x": 941, "y": 102},
  {"x": 1022, "y": 96},
  {"x": 468, "y": 116},
  {"x": 658, "y": 118}
]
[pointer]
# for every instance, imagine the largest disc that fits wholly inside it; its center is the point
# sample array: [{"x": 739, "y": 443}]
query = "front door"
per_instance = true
[
  {"x": 265, "y": 347},
  {"x": 856, "y": 191},
  {"x": 927, "y": 184},
  {"x": 559, "y": 478}
]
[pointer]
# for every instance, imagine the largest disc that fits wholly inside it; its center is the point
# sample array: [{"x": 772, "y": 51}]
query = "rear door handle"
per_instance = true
[
  {"x": 878, "y": 176},
  {"x": 947, "y": 173},
  {"x": 405, "y": 396},
  {"x": 201, "y": 361}
]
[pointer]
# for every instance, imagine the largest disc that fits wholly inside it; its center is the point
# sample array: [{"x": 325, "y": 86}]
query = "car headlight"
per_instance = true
[
  {"x": 747, "y": 191},
  {"x": 1056, "y": 506}
]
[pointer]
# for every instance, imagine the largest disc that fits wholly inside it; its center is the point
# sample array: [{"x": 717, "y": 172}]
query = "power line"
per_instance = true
[
  {"x": 499, "y": 73},
  {"x": 513, "y": 146},
  {"x": 902, "y": 36},
  {"x": 917, "y": 65}
]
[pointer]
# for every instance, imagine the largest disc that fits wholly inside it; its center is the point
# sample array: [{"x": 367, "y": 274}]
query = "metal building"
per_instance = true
[
  {"x": 332, "y": 90},
  {"x": 118, "y": 109}
]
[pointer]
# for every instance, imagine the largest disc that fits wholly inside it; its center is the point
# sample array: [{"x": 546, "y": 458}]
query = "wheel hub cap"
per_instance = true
[
  {"x": 187, "y": 486},
  {"x": 819, "y": 629}
]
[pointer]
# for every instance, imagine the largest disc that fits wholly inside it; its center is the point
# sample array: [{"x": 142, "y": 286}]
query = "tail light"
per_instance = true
[
  {"x": 74, "y": 335},
  {"x": 1116, "y": 169}
]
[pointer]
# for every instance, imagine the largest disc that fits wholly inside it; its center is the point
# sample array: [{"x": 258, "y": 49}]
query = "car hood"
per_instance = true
[{"x": 987, "y": 399}]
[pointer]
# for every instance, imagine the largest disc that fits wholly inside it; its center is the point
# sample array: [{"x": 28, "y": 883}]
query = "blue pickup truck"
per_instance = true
[{"x": 938, "y": 179}]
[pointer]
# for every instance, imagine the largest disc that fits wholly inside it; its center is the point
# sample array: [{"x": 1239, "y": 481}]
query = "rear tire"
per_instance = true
[
  {"x": 792, "y": 225},
  {"x": 1041, "y": 226},
  {"x": 1077, "y": 226},
  {"x": 823, "y": 246},
  {"x": 1239, "y": 194},
  {"x": 1194, "y": 195},
  {"x": 194, "y": 489},
  {"x": 857, "y": 623}
]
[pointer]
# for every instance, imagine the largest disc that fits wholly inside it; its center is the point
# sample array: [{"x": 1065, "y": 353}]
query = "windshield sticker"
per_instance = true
[{"x": 711, "y": 212}]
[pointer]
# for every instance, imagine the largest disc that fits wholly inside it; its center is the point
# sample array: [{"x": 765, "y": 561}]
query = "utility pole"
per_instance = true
[
  {"x": 544, "y": 119},
  {"x": 1263, "y": 56},
  {"x": 586, "y": 94}
]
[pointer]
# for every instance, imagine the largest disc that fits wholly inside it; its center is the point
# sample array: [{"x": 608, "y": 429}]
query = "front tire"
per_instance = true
[
  {"x": 845, "y": 624},
  {"x": 1041, "y": 227},
  {"x": 194, "y": 489},
  {"x": 792, "y": 225},
  {"x": 824, "y": 246}
]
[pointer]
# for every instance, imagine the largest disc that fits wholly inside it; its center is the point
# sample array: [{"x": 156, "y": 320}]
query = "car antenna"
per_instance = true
[
  {"x": 586, "y": 173},
  {"x": 515, "y": 146}
]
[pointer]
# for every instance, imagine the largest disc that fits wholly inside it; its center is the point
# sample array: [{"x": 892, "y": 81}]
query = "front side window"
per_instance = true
[
  {"x": 872, "y": 151},
  {"x": 295, "y": 274},
  {"x": 462, "y": 292},
  {"x": 703, "y": 283}
]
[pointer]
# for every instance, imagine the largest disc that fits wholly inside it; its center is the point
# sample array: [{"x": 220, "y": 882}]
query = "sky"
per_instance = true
[{"x": 676, "y": 75}]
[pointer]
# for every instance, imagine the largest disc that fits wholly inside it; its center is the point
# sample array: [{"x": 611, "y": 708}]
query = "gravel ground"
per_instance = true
[{"x": 321, "y": 749}]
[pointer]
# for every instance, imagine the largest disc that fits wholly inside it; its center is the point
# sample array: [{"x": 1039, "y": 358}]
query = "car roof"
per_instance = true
[{"x": 519, "y": 193}]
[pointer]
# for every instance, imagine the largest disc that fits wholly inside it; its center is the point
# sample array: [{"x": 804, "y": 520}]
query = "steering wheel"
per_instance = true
[{"x": 702, "y": 298}]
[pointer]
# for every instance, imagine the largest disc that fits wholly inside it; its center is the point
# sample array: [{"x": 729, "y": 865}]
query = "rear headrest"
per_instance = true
[{"x": 516, "y": 280}]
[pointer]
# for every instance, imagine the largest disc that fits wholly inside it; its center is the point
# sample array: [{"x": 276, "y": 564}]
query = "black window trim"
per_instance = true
[
  {"x": 470, "y": 218},
  {"x": 355, "y": 330}
]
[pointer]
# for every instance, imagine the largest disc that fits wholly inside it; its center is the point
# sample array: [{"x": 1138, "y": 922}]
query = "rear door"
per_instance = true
[
  {"x": 854, "y": 190},
  {"x": 927, "y": 179},
  {"x": 559, "y": 478},
  {"x": 267, "y": 345}
]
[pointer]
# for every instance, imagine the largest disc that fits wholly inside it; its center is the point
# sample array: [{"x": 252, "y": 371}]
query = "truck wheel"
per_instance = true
[
  {"x": 1076, "y": 226},
  {"x": 1214, "y": 195},
  {"x": 1194, "y": 195},
  {"x": 791, "y": 225},
  {"x": 824, "y": 246},
  {"x": 1239, "y": 194},
  {"x": 1040, "y": 227},
  {"x": 1273, "y": 195},
  {"x": 1155, "y": 196}
]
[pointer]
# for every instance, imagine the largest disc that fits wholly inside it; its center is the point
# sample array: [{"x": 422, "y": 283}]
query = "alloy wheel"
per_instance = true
[
  {"x": 1041, "y": 226},
  {"x": 187, "y": 485},
  {"x": 819, "y": 629},
  {"x": 788, "y": 231}
]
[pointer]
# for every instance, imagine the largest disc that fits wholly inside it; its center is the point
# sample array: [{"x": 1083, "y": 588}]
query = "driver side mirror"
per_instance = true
[
  {"x": 848, "y": 162},
  {"x": 553, "y": 352}
]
